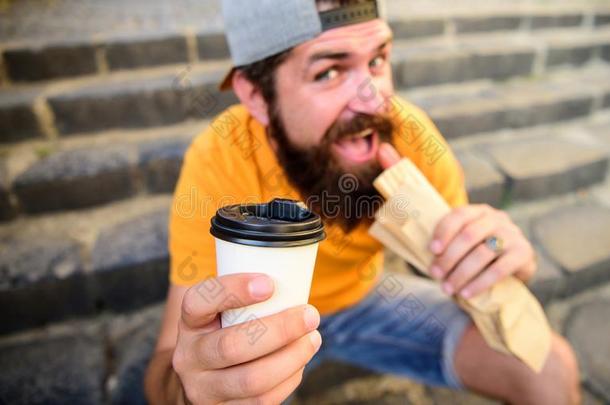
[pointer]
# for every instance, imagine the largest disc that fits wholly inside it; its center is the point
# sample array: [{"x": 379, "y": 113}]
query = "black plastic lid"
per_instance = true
[{"x": 278, "y": 223}]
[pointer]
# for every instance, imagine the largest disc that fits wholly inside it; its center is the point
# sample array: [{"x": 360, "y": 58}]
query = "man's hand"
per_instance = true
[
  {"x": 465, "y": 264},
  {"x": 218, "y": 365}
]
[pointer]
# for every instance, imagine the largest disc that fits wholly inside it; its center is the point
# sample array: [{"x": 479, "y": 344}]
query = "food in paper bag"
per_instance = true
[{"x": 508, "y": 316}]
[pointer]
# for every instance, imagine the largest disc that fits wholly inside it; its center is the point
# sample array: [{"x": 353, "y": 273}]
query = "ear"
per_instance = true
[{"x": 251, "y": 97}]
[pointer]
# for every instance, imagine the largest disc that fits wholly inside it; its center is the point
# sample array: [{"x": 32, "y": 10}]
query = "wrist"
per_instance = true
[
  {"x": 527, "y": 273},
  {"x": 162, "y": 384}
]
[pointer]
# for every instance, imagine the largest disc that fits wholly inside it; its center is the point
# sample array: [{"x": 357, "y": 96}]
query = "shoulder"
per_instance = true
[
  {"x": 417, "y": 138},
  {"x": 228, "y": 138},
  {"x": 224, "y": 129},
  {"x": 224, "y": 151}
]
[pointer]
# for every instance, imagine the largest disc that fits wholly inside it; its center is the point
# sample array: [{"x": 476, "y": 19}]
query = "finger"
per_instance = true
[
  {"x": 451, "y": 224},
  {"x": 388, "y": 156},
  {"x": 469, "y": 267},
  {"x": 235, "y": 345},
  {"x": 472, "y": 234},
  {"x": 203, "y": 301},
  {"x": 278, "y": 394},
  {"x": 505, "y": 265},
  {"x": 259, "y": 376}
]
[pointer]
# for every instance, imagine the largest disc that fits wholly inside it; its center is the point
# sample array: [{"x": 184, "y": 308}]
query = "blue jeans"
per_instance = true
[{"x": 405, "y": 326}]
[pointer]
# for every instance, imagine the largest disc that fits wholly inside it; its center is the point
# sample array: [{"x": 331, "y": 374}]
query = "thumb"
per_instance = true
[{"x": 387, "y": 156}]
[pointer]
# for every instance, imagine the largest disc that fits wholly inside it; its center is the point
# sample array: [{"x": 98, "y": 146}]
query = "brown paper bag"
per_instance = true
[{"x": 508, "y": 316}]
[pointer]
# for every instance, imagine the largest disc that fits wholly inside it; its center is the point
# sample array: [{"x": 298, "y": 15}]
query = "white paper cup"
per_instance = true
[{"x": 280, "y": 239}]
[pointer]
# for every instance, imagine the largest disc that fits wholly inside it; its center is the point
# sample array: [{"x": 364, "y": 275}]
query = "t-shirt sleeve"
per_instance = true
[
  {"x": 417, "y": 138},
  {"x": 219, "y": 169},
  {"x": 198, "y": 193},
  {"x": 191, "y": 250}
]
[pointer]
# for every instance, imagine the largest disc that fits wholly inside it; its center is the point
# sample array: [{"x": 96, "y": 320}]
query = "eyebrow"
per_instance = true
[{"x": 340, "y": 55}]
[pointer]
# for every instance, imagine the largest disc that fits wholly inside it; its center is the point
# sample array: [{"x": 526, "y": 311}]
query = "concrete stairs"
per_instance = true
[{"x": 93, "y": 128}]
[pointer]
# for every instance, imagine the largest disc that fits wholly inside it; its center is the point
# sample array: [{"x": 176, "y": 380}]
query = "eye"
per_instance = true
[
  {"x": 328, "y": 74},
  {"x": 378, "y": 61}
]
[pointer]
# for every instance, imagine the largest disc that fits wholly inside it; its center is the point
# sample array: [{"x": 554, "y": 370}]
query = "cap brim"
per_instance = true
[{"x": 227, "y": 82}]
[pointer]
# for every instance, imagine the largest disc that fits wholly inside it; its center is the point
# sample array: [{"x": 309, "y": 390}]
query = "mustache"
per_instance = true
[
  {"x": 343, "y": 129},
  {"x": 315, "y": 172}
]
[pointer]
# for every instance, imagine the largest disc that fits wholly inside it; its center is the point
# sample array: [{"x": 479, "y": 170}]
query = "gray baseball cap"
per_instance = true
[{"x": 257, "y": 29}]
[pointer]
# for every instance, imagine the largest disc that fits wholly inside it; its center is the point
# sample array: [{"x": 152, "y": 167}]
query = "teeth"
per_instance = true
[{"x": 363, "y": 134}]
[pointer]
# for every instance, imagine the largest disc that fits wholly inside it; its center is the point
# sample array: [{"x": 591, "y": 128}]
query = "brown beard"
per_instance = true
[{"x": 336, "y": 194}]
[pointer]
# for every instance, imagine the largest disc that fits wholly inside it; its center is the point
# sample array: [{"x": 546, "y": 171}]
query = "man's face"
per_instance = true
[
  {"x": 331, "y": 79},
  {"x": 330, "y": 116}
]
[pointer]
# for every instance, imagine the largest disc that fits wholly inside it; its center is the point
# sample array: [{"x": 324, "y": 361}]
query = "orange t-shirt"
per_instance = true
[{"x": 232, "y": 162}]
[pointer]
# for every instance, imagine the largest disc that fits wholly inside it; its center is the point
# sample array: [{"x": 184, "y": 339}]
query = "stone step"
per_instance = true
[
  {"x": 78, "y": 264},
  {"x": 82, "y": 172},
  {"x": 58, "y": 56},
  {"x": 537, "y": 162},
  {"x": 130, "y": 99},
  {"x": 497, "y": 55},
  {"x": 43, "y": 61},
  {"x": 577, "y": 238},
  {"x": 465, "y": 109},
  {"x": 572, "y": 240},
  {"x": 171, "y": 94},
  {"x": 589, "y": 336},
  {"x": 94, "y": 361}
]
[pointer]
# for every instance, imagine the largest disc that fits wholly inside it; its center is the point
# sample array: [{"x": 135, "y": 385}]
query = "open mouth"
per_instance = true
[{"x": 359, "y": 147}]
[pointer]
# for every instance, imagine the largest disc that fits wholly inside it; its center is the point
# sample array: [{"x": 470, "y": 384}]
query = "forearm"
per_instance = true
[{"x": 161, "y": 384}]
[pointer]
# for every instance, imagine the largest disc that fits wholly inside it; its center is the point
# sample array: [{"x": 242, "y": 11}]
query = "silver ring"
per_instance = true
[{"x": 495, "y": 244}]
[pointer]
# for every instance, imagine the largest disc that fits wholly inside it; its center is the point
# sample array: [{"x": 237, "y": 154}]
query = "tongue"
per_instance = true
[{"x": 351, "y": 146}]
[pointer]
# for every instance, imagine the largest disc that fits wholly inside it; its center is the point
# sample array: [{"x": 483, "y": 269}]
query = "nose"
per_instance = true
[{"x": 369, "y": 96}]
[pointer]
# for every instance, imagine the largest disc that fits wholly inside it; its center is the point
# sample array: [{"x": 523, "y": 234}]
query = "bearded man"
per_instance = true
[{"x": 318, "y": 120}]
